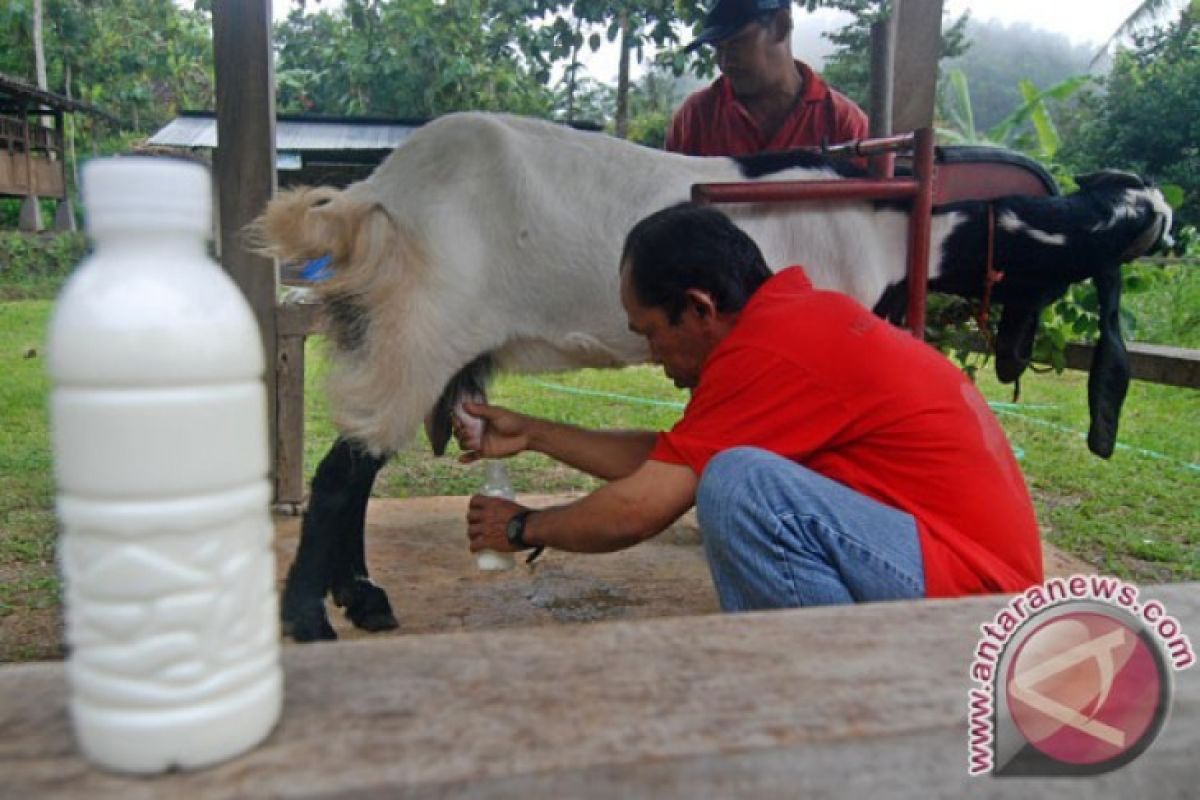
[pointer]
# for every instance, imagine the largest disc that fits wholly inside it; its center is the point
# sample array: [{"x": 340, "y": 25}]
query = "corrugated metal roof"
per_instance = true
[{"x": 294, "y": 135}]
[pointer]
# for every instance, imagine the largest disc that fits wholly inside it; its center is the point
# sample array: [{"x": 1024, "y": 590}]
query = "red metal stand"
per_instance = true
[{"x": 919, "y": 189}]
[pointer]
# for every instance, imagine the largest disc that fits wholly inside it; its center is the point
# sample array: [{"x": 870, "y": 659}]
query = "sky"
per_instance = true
[{"x": 1082, "y": 21}]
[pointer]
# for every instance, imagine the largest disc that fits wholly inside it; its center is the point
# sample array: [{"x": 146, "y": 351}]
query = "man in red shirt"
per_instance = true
[
  {"x": 831, "y": 457},
  {"x": 764, "y": 100}
]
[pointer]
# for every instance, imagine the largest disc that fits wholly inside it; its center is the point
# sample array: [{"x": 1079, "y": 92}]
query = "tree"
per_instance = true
[
  {"x": 1148, "y": 119},
  {"x": 651, "y": 102},
  {"x": 1147, "y": 12},
  {"x": 39, "y": 49},
  {"x": 634, "y": 24},
  {"x": 138, "y": 59},
  {"x": 418, "y": 58}
]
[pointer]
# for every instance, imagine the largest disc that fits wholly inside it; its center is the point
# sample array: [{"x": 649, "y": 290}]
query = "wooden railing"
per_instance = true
[{"x": 31, "y": 159}]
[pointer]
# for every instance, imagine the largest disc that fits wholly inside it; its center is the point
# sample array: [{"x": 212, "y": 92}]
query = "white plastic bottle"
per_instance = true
[
  {"x": 159, "y": 435},
  {"x": 496, "y": 484}
]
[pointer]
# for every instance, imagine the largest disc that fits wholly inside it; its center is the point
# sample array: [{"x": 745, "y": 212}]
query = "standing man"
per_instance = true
[
  {"x": 831, "y": 457},
  {"x": 765, "y": 99}
]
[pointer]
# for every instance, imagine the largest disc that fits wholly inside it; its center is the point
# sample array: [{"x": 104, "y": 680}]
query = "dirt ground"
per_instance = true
[{"x": 417, "y": 551}]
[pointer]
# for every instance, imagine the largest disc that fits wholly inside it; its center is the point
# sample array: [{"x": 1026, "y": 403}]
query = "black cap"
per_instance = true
[{"x": 727, "y": 17}]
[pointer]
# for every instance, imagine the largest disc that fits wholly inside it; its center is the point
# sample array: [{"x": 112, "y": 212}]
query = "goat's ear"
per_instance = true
[
  {"x": 1014, "y": 340},
  {"x": 1109, "y": 378},
  {"x": 1145, "y": 243}
]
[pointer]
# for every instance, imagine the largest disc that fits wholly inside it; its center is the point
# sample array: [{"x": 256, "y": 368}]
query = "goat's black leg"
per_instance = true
[
  {"x": 367, "y": 605},
  {"x": 336, "y": 509}
]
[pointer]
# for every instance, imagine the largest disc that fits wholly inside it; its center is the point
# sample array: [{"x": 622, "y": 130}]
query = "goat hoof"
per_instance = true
[
  {"x": 306, "y": 622},
  {"x": 367, "y": 606}
]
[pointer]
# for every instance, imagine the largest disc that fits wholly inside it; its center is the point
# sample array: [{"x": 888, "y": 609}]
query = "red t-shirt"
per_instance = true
[
  {"x": 817, "y": 378},
  {"x": 711, "y": 122}
]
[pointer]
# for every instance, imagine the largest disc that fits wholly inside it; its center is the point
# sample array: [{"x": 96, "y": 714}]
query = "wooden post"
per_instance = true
[
  {"x": 294, "y": 322},
  {"x": 31, "y": 212},
  {"x": 918, "y": 42},
  {"x": 245, "y": 160},
  {"x": 64, "y": 215}
]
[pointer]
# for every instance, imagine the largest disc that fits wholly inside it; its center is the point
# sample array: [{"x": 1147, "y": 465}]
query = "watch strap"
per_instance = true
[{"x": 516, "y": 534}]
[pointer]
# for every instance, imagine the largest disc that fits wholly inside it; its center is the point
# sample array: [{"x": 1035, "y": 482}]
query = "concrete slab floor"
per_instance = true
[{"x": 416, "y": 550}]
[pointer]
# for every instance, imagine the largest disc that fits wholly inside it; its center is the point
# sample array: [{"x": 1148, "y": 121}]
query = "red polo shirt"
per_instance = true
[
  {"x": 817, "y": 378},
  {"x": 711, "y": 122}
]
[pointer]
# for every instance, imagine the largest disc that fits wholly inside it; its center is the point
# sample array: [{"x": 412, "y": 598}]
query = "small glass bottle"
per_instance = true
[
  {"x": 496, "y": 484},
  {"x": 159, "y": 433}
]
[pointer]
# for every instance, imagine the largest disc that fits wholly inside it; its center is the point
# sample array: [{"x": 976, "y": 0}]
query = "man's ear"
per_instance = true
[
  {"x": 702, "y": 303},
  {"x": 781, "y": 25}
]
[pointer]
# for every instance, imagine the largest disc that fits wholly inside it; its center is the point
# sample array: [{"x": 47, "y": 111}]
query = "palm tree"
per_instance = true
[
  {"x": 1147, "y": 11},
  {"x": 39, "y": 48}
]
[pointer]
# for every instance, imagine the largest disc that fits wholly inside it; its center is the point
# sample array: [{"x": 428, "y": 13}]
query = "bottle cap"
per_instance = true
[{"x": 147, "y": 193}]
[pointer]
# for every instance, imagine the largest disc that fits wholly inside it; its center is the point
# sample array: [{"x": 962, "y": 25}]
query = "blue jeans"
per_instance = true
[{"x": 778, "y": 535}]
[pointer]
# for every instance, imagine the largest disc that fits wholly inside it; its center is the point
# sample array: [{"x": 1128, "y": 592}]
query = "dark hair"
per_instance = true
[{"x": 687, "y": 246}]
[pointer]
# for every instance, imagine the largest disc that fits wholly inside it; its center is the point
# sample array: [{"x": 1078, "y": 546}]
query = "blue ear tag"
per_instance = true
[{"x": 317, "y": 270}]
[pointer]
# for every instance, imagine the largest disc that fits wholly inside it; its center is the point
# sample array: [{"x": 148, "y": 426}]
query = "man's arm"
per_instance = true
[
  {"x": 604, "y": 454},
  {"x": 614, "y": 517},
  {"x": 609, "y": 455}
]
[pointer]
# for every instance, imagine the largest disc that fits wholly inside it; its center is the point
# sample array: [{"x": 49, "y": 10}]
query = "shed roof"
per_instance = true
[
  {"x": 297, "y": 133},
  {"x": 19, "y": 89}
]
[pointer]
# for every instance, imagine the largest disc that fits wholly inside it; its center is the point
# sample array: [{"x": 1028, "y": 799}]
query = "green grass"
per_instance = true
[
  {"x": 1134, "y": 516},
  {"x": 34, "y": 266},
  {"x": 1168, "y": 311},
  {"x": 28, "y": 579}
]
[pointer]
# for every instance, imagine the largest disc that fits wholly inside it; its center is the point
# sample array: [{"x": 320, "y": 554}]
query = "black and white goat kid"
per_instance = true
[{"x": 489, "y": 242}]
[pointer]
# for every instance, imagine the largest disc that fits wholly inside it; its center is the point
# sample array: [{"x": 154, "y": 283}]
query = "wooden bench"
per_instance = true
[{"x": 860, "y": 702}]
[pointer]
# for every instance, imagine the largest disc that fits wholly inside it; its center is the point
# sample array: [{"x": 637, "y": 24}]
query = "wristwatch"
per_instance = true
[{"x": 515, "y": 533}]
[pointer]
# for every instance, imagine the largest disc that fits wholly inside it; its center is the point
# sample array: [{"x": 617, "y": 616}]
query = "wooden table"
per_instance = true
[{"x": 865, "y": 702}]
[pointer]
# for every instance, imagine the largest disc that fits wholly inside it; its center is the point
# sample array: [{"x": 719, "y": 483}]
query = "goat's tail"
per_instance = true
[
  {"x": 370, "y": 303},
  {"x": 290, "y": 227},
  {"x": 361, "y": 240}
]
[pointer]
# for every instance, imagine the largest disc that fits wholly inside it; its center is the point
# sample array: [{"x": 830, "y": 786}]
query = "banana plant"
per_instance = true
[{"x": 956, "y": 101}]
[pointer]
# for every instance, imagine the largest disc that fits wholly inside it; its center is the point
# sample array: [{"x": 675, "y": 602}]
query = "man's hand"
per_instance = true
[
  {"x": 487, "y": 523},
  {"x": 505, "y": 433}
]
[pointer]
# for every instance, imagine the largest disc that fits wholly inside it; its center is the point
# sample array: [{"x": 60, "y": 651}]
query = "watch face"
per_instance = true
[{"x": 516, "y": 530}]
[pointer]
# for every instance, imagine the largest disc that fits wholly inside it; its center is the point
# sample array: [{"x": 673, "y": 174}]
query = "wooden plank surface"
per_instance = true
[
  {"x": 1168, "y": 366},
  {"x": 837, "y": 702}
]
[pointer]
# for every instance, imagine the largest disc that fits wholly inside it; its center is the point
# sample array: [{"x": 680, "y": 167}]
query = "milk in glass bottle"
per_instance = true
[{"x": 159, "y": 425}]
